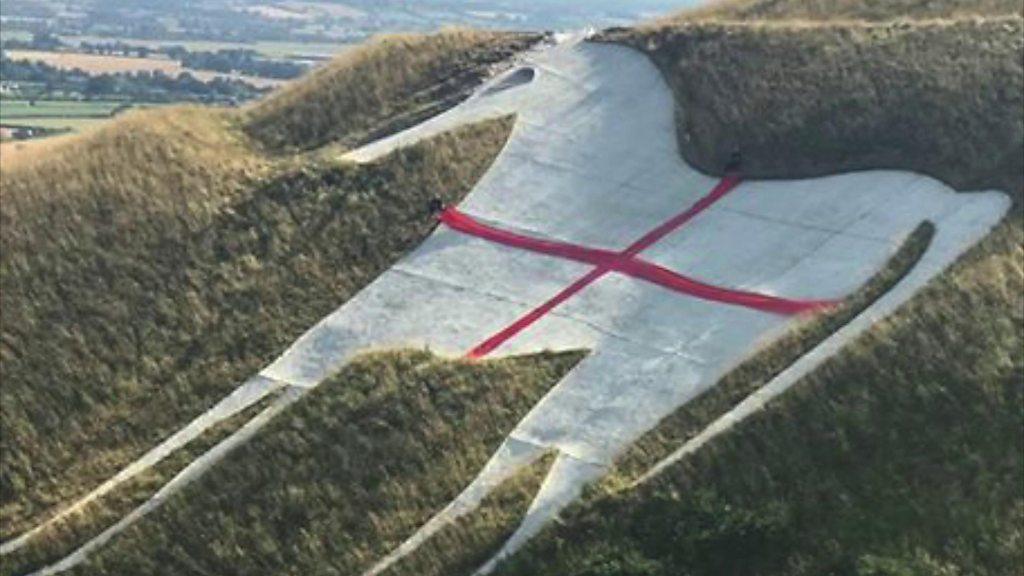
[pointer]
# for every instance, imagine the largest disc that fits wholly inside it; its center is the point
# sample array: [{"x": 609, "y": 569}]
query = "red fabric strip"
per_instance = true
[
  {"x": 624, "y": 262},
  {"x": 724, "y": 186},
  {"x": 639, "y": 268},
  {"x": 466, "y": 224},
  {"x": 631, "y": 266},
  {"x": 488, "y": 346}
]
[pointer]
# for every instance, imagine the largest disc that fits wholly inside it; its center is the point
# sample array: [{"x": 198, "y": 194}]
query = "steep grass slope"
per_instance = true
[
  {"x": 838, "y": 10},
  {"x": 113, "y": 339},
  {"x": 345, "y": 475},
  {"x": 902, "y": 454},
  {"x": 393, "y": 82},
  {"x": 148, "y": 267},
  {"x": 810, "y": 96}
]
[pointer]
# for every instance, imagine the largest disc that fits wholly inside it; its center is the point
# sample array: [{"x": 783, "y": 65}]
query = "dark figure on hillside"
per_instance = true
[
  {"x": 436, "y": 206},
  {"x": 735, "y": 161}
]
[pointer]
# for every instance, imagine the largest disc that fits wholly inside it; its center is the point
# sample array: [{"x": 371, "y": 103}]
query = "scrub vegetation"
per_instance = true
[
  {"x": 63, "y": 537},
  {"x": 393, "y": 82},
  {"x": 121, "y": 323},
  {"x": 806, "y": 88},
  {"x": 148, "y": 267},
  {"x": 902, "y": 455},
  {"x": 347, "y": 473}
]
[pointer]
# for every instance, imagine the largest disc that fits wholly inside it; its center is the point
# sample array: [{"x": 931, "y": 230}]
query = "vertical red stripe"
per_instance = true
[
  {"x": 489, "y": 345},
  {"x": 724, "y": 186}
]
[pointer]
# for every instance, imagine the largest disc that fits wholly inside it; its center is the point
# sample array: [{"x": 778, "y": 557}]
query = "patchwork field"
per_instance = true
[
  {"x": 14, "y": 109},
  {"x": 58, "y": 115},
  {"x": 96, "y": 64},
  {"x": 268, "y": 49}
]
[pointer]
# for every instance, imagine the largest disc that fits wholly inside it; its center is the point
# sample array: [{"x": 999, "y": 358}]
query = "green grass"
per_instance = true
[
  {"x": 265, "y": 48},
  {"x": 9, "y": 34},
  {"x": 57, "y": 114},
  {"x": 10, "y": 110},
  {"x": 347, "y": 473},
  {"x": 71, "y": 124},
  {"x": 297, "y": 49}
]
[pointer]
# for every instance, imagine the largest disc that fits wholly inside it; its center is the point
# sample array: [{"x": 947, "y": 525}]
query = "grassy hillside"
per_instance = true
[
  {"x": 876, "y": 10},
  {"x": 347, "y": 473},
  {"x": 801, "y": 95},
  {"x": 123, "y": 323},
  {"x": 148, "y": 267},
  {"x": 393, "y": 82},
  {"x": 902, "y": 455},
  {"x": 63, "y": 537}
]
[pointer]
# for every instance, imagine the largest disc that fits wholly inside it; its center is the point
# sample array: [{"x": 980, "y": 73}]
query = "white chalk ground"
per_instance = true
[{"x": 593, "y": 160}]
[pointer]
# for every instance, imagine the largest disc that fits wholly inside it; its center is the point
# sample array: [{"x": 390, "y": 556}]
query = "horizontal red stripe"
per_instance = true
[
  {"x": 639, "y": 268},
  {"x": 630, "y": 266},
  {"x": 624, "y": 262},
  {"x": 466, "y": 224}
]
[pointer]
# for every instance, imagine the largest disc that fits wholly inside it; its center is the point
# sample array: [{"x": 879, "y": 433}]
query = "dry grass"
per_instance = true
[
  {"x": 96, "y": 64},
  {"x": 148, "y": 266},
  {"x": 836, "y": 10},
  {"x": 64, "y": 537},
  {"x": 181, "y": 161},
  {"x": 802, "y": 98},
  {"x": 465, "y": 545},
  {"x": 390, "y": 83},
  {"x": 126, "y": 313},
  {"x": 346, "y": 474},
  {"x": 759, "y": 369},
  {"x": 902, "y": 454}
]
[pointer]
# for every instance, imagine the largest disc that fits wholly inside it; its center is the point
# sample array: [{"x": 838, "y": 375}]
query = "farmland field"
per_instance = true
[
  {"x": 266, "y": 49},
  {"x": 15, "y": 109},
  {"x": 95, "y": 63},
  {"x": 101, "y": 64},
  {"x": 21, "y": 35},
  {"x": 74, "y": 124},
  {"x": 57, "y": 114}
]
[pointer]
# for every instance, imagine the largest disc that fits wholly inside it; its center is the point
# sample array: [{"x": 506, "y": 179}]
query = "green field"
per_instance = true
[
  {"x": 18, "y": 109},
  {"x": 72, "y": 124},
  {"x": 15, "y": 35},
  {"x": 267, "y": 49},
  {"x": 57, "y": 114}
]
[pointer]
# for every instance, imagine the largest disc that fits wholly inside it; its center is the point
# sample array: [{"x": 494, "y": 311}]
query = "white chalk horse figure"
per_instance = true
[{"x": 593, "y": 160}]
